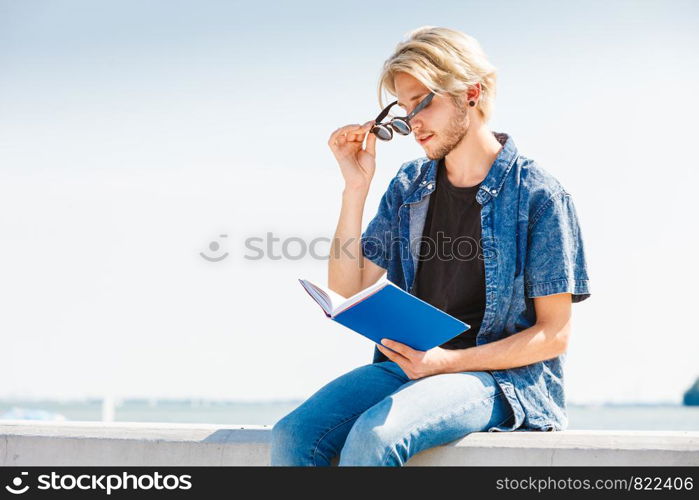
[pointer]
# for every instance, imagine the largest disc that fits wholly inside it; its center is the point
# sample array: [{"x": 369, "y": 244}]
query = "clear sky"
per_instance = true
[{"x": 133, "y": 134}]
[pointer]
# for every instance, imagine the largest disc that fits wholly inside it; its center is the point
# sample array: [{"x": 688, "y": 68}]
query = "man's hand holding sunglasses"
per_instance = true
[{"x": 356, "y": 162}]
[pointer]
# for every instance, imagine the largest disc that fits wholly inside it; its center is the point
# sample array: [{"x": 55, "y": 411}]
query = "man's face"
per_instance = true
[{"x": 440, "y": 126}]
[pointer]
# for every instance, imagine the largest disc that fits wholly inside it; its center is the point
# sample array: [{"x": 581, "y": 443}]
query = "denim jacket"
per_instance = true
[{"x": 532, "y": 246}]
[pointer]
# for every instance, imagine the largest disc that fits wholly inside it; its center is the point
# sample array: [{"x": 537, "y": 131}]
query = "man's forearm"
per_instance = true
[
  {"x": 537, "y": 343},
  {"x": 344, "y": 263}
]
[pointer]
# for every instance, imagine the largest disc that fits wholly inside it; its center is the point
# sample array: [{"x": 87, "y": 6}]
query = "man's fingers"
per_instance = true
[
  {"x": 371, "y": 144},
  {"x": 357, "y": 132},
  {"x": 335, "y": 136},
  {"x": 404, "y": 350},
  {"x": 393, "y": 356},
  {"x": 347, "y": 129}
]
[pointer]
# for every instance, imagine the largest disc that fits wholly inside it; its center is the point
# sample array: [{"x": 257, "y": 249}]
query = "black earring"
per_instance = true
[{"x": 471, "y": 103}]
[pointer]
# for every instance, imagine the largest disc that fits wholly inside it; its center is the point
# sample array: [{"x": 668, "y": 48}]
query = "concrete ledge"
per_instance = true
[{"x": 150, "y": 444}]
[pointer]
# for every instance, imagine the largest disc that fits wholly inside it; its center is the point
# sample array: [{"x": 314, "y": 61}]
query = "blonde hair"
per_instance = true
[{"x": 444, "y": 60}]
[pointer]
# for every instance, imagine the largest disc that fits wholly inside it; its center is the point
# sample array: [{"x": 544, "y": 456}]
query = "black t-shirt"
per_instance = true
[{"x": 451, "y": 273}]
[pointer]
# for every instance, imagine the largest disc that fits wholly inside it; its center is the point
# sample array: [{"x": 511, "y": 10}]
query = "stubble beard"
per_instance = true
[{"x": 453, "y": 135}]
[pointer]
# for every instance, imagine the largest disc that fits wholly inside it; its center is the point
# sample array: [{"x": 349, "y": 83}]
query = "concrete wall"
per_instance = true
[{"x": 96, "y": 443}]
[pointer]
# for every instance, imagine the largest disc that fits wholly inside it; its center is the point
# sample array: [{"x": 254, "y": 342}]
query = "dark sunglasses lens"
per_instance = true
[
  {"x": 382, "y": 132},
  {"x": 400, "y": 126}
]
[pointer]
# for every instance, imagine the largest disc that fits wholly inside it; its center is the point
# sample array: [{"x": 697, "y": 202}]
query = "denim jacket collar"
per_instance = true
[{"x": 491, "y": 185}]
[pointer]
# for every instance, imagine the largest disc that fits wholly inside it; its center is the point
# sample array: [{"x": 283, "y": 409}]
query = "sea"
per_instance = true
[{"x": 658, "y": 417}]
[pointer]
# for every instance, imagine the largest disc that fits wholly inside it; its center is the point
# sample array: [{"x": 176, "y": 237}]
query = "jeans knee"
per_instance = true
[
  {"x": 370, "y": 442},
  {"x": 281, "y": 430},
  {"x": 287, "y": 435}
]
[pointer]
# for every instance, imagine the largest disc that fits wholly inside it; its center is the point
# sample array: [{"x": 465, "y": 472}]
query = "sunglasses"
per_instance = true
[{"x": 400, "y": 124}]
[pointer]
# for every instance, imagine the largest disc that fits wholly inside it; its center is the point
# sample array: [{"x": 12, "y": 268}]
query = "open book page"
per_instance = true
[
  {"x": 326, "y": 298},
  {"x": 357, "y": 297}
]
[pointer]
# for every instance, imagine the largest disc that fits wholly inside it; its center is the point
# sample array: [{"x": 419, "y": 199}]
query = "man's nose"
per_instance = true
[{"x": 416, "y": 125}]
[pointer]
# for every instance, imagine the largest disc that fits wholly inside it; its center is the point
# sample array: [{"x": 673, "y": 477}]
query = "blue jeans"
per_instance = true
[{"x": 375, "y": 415}]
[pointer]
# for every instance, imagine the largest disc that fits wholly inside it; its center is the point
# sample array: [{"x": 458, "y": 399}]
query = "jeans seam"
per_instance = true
[
  {"x": 423, "y": 424},
  {"x": 315, "y": 448},
  {"x": 504, "y": 420}
]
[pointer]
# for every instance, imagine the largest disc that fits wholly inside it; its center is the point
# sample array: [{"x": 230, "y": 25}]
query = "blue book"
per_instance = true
[{"x": 384, "y": 310}]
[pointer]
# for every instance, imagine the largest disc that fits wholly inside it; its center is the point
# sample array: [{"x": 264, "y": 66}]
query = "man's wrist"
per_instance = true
[
  {"x": 355, "y": 192},
  {"x": 459, "y": 360}
]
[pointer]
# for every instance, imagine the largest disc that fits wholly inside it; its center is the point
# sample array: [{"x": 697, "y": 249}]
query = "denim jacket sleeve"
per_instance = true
[
  {"x": 376, "y": 239},
  {"x": 555, "y": 254}
]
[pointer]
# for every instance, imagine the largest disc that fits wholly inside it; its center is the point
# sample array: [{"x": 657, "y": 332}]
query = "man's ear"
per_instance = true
[{"x": 474, "y": 92}]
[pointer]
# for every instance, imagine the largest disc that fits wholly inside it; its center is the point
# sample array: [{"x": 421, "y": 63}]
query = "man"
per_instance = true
[{"x": 516, "y": 290}]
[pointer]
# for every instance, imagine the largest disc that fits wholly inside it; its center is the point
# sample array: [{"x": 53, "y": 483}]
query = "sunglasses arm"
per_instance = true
[
  {"x": 421, "y": 106},
  {"x": 384, "y": 113}
]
